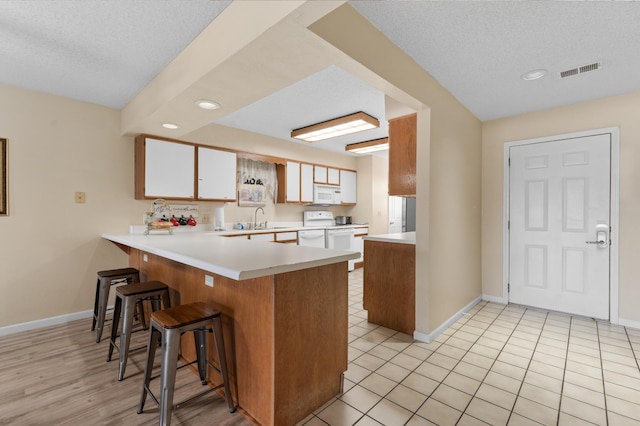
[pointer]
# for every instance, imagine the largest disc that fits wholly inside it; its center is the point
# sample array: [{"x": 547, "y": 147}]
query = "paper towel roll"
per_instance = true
[{"x": 218, "y": 222}]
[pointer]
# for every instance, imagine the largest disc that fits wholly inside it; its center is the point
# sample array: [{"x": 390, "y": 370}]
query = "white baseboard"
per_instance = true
[
  {"x": 629, "y": 323},
  {"x": 430, "y": 337},
  {"x": 45, "y": 322},
  {"x": 495, "y": 299}
]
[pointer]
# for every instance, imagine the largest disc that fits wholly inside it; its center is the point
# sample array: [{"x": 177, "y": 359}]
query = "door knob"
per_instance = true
[{"x": 602, "y": 239}]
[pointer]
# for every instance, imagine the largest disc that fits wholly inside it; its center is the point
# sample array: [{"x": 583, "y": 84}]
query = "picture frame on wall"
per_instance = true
[{"x": 4, "y": 177}]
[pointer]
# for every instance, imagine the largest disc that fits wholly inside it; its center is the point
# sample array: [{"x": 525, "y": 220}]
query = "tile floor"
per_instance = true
[{"x": 496, "y": 365}]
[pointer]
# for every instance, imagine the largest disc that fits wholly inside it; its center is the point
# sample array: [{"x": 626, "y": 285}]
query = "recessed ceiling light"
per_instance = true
[
  {"x": 533, "y": 75},
  {"x": 170, "y": 126},
  {"x": 205, "y": 104}
]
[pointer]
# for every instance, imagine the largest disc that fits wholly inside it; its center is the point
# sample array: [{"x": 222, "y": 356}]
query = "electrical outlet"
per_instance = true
[
  {"x": 208, "y": 280},
  {"x": 80, "y": 198},
  {"x": 206, "y": 218}
]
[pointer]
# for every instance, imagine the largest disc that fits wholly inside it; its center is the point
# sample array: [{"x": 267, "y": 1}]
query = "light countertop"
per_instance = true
[
  {"x": 233, "y": 258},
  {"x": 400, "y": 238}
]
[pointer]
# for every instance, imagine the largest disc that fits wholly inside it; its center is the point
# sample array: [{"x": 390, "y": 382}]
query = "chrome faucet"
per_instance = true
[{"x": 255, "y": 217}]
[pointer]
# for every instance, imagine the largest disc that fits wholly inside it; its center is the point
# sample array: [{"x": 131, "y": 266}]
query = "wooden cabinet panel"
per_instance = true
[
  {"x": 389, "y": 285},
  {"x": 402, "y": 155}
]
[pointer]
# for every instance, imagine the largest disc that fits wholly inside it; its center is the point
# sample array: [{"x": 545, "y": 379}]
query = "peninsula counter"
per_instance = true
[{"x": 284, "y": 309}]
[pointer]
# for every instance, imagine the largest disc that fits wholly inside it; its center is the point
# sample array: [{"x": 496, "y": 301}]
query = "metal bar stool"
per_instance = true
[
  {"x": 127, "y": 298},
  {"x": 105, "y": 280},
  {"x": 165, "y": 329}
]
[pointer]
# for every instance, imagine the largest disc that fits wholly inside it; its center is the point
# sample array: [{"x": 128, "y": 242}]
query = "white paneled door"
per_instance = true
[{"x": 559, "y": 213}]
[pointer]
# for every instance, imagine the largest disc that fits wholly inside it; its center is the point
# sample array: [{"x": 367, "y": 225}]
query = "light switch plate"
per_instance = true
[{"x": 208, "y": 280}]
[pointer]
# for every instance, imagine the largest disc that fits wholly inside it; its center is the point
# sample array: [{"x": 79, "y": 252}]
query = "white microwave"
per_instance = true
[{"x": 326, "y": 194}]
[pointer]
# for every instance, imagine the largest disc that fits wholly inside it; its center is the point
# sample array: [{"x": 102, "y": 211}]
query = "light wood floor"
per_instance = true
[{"x": 59, "y": 376}]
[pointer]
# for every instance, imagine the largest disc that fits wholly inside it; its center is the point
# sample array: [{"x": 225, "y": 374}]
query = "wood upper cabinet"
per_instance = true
[
  {"x": 402, "y": 155},
  {"x": 183, "y": 171}
]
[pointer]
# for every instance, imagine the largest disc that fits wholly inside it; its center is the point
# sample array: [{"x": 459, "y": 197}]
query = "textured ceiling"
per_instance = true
[
  {"x": 107, "y": 51},
  {"x": 98, "y": 51}
]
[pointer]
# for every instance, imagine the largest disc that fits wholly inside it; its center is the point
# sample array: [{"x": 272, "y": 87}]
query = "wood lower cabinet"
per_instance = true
[
  {"x": 285, "y": 334},
  {"x": 402, "y": 155},
  {"x": 389, "y": 285}
]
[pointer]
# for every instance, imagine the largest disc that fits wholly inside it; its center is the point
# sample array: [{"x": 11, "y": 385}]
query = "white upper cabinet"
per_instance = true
[
  {"x": 168, "y": 170},
  {"x": 348, "y": 184},
  {"x": 333, "y": 176},
  {"x": 216, "y": 174},
  {"x": 293, "y": 182},
  {"x": 319, "y": 174},
  {"x": 306, "y": 183}
]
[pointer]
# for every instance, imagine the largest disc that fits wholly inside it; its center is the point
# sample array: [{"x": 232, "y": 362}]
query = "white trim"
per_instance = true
[
  {"x": 629, "y": 323},
  {"x": 430, "y": 337},
  {"x": 45, "y": 322},
  {"x": 494, "y": 299},
  {"x": 615, "y": 211}
]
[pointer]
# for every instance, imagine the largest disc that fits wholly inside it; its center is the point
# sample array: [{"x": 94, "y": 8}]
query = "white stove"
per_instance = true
[{"x": 326, "y": 234}]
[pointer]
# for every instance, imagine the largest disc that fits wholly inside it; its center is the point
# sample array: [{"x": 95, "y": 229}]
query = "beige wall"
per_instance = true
[
  {"x": 373, "y": 190},
  {"x": 620, "y": 111},
  {"x": 50, "y": 247},
  {"x": 448, "y": 166}
]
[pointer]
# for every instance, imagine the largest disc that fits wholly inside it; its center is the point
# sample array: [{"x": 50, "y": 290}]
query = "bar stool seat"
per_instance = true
[
  {"x": 165, "y": 330},
  {"x": 105, "y": 280},
  {"x": 127, "y": 298}
]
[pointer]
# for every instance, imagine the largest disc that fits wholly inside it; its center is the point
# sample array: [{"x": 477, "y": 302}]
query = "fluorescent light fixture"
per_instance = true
[
  {"x": 368, "y": 146},
  {"x": 340, "y": 126},
  {"x": 533, "y": 75},
  {"x": 170, "y": 126},
  {"x": 205, "y": 104}
]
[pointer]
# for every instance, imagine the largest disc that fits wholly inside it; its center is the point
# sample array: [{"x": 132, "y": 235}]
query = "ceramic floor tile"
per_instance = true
[
  {"x": 347, "y": 385},
  {"x": 616, "y": 419},
  {"x": 450, "y": 351},
  {"x": 584, "y": 359},
  {"x": 630, "y": 371},
  {"x": 478, "y": 360},
  {"x": 416, "y": 420},
  {"x": 589, "y": 343},
  {"x": 483, "y": 350},
  {"x": 405, "y": 361},
  {"x": 503, "y": 382},
  {"x": 417, "y": 352},
  {"x": 584, "y": 381},
  {"x": 432, "y": 371},
  {"x": 540, "y": 395},
  {"x": 462, "y": 383},
  {"x": 406, "y": 397},
  {"x": 565, "y": 419},
  {"x": 542, "y": 381},
  {"x": 622, "y": 392},
  {"x": 620, "y": 379},
  {"x": 518, "y": 420},
  {"x": 509, "y": 370},
  {"x": 362, "y": 345},
  {"x": 464, "y": 334},
  {"x": 526, "y": 344},
  {"x": 579, "y": 349},
  {"x": 551, "y": 350},
  {"x": 496, "y": 396},
  {"x": 369, "y": 362},
  {"x": 314, "y": 421},
  {"x": 623, "y": 407},
  {"x": 467, "y": 420},
  {"x": 442, "y": 360},
  {"x": 470, "y": 370},
  {"x": 393, "y": 372},
  {"x": 585, "y": 395},
  {"x": 550, "y": 341},
  {"x": 535, "y": 411},
  {"x": 439, "y": 413},
  {"x": 628, "y": 360},
  {"x": 525, "y": 336},
  {"x": 485, "y": 340},
  {"x": 361, "y": 398},
  {"x": 367, "y": 421},
  {"x": 378, "y": 384},
  {"x": 420, "y": 383},
  {"x": 587, "y": 370},
  {"x": 383, "y": 352},
  {"x": 388, "y": 413},
  {"x": 459, "y": 343},
  {"x": 452, "y": 397},
  {"x": 547, "y": 370},
  {"x": 340, "y": 414},
  {"x": 583, "y": 410},
  {"x": 507, "y": 356},
  {"x": 353, "y": 353},
  {"x": 487, "y": 412},
  {"x": 355, "y": 373}
]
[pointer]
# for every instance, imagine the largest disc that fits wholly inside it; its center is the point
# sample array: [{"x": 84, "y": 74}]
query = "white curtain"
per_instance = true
[{"x": 258, "y": 173}]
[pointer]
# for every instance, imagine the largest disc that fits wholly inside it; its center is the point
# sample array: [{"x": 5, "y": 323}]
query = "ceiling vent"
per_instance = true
[{"x": 579, "y": 70}]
